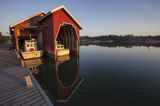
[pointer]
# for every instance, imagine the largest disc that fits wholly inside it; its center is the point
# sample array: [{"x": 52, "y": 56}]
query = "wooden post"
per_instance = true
[
  {"x": 17, "y": 44},
  {"x": 66, "y": 39},
  {"x": 28, "y": 81},
  {"x": 73, "y": 40},
  {"x": 17, "y": 54},
  {"x": 22, "y": 63},
  {"x": 55, "y": 51}
]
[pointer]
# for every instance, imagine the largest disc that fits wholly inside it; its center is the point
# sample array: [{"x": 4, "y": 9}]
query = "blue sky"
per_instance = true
[{"x": 98, "y": 17}]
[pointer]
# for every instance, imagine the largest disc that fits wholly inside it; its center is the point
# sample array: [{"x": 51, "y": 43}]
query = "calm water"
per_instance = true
[{"x": 112, "y": 77}]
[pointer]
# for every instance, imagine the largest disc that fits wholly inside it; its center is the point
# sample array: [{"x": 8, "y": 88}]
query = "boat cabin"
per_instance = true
[
  {"x": 59, "y": 46},
  {"x": 30, "y": 45}
]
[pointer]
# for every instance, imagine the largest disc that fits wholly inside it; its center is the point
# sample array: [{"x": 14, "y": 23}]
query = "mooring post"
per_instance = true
[{"x": 28, "y": 80}]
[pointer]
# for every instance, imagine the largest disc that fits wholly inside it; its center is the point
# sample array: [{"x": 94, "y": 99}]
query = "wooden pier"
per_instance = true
[{"x": 13, "y": 88}]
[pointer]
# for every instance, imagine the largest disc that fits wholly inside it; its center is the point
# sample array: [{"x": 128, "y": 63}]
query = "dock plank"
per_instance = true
[
  {"x": 10, "y": 99},
  {"x": 26, "y": 100},
  {"x": 40, "y": 102}
]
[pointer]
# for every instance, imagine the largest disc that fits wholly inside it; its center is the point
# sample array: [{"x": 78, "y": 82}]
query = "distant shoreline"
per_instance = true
[{"x": 121, "y": 41}]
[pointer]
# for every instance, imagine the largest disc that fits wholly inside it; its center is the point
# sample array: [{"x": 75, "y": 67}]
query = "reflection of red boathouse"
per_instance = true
[{"x": 60, "y": 79}]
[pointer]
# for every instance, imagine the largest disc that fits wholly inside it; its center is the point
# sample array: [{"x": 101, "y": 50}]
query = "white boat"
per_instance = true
[
  {"x": 60, "y": 50},
  {"x": 30, "y": 50}
]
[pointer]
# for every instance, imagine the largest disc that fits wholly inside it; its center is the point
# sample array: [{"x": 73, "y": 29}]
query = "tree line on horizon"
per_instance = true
[
  {"x": 120, "y": 38},
  {"x": 117, "y": 40}
]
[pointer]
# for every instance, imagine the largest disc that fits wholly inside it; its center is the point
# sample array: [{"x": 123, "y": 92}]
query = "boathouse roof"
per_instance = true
[{"x": 27, "y": 18}]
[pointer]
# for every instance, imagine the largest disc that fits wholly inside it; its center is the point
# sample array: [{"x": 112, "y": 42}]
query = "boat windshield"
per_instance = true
[{"x": 30, "y": 46}]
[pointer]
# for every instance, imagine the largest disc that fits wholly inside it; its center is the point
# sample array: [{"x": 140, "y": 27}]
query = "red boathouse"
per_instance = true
[{"x": 60, "y": 25}]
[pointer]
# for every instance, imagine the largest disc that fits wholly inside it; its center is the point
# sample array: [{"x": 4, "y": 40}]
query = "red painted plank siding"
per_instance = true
[
  {"x": 59, "y": 18},
  {"x": 48, "y": 34}
]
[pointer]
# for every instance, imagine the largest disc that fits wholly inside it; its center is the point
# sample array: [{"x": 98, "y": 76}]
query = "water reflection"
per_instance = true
[
  {"x": 113, "y": 76},
  {"x": 59, "y": 78},
  {"x": 118, "y": 44},
  {"x": 33, "y": 64}
]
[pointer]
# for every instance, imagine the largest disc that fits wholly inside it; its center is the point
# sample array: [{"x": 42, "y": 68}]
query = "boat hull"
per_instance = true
[
  {"x": 62, "y": 52},
  {"x": 32, "y": 54}
]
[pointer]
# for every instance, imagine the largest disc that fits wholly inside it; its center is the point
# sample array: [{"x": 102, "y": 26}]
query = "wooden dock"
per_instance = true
[{"x": 13, "y": 88}]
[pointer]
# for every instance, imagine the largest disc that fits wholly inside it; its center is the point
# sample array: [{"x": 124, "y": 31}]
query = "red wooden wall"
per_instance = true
[
  {"x": 47, "y": 33},
  {"x": 60, "y": 17}
]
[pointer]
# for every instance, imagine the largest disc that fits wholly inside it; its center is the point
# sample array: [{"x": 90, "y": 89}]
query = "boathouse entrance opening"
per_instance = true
[
  {"x": 21, "y": 41},
  {"x": 28, "y": 34},
  {"x": 68, "y": 37}
]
